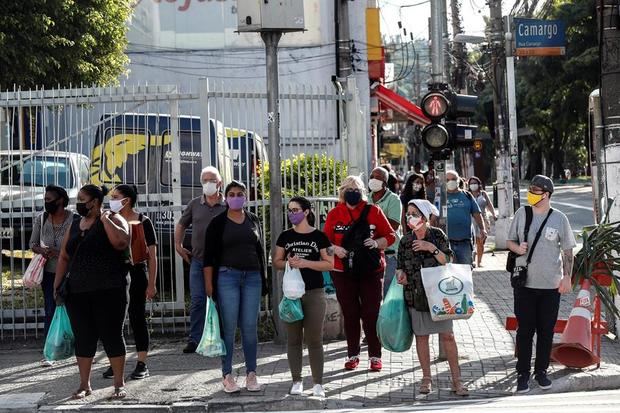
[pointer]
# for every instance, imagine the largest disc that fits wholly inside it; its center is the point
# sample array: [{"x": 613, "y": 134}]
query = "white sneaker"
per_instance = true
[
  {"x": 230, "y": 385},
  {"x": 297, "y": 388},
  {"x": 251, "y": 382},
  {"x": 318, "y": 391},
  {"x": 46, "y": 363}
]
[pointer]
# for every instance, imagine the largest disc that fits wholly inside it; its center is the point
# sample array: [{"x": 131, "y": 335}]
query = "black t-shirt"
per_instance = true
[{"x": 306, "y": 246}]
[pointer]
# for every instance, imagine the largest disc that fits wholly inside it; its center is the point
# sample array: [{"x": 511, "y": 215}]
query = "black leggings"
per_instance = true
[
  {"x": 137, "y": 304},
  {"x": 98, "y": 315}
]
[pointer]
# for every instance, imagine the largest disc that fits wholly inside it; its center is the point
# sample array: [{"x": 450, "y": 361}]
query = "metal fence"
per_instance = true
[{"x": 157, "y": 138}]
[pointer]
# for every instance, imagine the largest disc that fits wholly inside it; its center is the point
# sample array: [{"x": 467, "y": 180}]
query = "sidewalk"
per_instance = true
[{"x": 181, "y": 382}]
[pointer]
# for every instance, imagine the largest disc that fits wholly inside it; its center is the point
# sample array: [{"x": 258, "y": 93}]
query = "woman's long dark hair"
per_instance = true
[
  {"x": 408, "y": 194},
  {"x": 305, "y": 206}
]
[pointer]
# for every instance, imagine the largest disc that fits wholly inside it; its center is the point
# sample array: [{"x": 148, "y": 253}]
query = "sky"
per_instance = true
[{"x": 415, "y": 19}]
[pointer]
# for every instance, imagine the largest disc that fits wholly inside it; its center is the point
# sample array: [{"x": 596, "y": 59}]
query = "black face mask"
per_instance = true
[
  {"x": 352, "y": 197},
  {"x": 82, "y": 209},
  {"x": 51, "y": 207}
]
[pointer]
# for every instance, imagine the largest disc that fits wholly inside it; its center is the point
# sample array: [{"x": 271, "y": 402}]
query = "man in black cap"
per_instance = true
[{"x": 549, "y": 263}]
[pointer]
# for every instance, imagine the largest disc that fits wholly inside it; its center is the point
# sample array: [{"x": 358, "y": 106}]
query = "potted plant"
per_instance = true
[{"x": 599, "y": 261}]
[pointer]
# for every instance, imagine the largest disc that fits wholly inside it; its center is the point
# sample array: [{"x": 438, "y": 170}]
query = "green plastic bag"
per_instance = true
[
  {"x": 394, "y": 323},
  {"x": 211, "y": 343},
  {"x": 60, "y": 341},
  {"x": 291, "y": 310}
]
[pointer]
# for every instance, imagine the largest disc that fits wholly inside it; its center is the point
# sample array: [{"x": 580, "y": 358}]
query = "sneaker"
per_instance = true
[
  {"x": 542, "y": 380},
  {"x": 190, "y": 347},
  {"x": 297, "y": 388},
  {"x": 46, "y": 363},
  {"x": 352, "y": 363},
  {"x": 251, "y": 382},
  {"x": 108, "y": 374},
  {"x": 140, "y": 372},
  {"x": 375, "y": 364},
  {"x": 523, "y": 381},
  {"x": 317, "y": 391},
  {"x": 230, "y": 385}
]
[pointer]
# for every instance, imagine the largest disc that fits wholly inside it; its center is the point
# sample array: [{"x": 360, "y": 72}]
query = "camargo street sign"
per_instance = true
[{"x": 539, "y": 37}]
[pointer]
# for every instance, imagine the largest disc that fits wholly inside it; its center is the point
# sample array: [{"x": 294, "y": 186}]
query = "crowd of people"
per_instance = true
[{"x": 93, "y": 254}]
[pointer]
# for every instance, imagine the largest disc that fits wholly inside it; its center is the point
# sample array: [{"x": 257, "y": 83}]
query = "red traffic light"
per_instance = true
[{"x": 435, "y": 105}]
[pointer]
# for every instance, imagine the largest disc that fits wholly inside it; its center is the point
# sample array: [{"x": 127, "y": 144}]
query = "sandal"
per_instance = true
[
  {"x": 459, "y": 389},
  {"x": 119, "y": 393},
  {"x": 81, "y": 393},
  {"x": 425, "y": 385}
]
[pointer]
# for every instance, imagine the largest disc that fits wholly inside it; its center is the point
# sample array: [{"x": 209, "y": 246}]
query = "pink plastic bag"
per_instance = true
[{"x": 34, "y": 273}]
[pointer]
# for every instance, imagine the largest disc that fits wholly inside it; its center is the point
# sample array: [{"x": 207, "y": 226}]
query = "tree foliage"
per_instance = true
[
  {"x": 61, "y": 42},
  {"x": 553, "y": 92}
]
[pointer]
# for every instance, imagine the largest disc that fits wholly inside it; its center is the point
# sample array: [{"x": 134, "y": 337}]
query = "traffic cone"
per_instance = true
[{"x": 575, "y": 346}]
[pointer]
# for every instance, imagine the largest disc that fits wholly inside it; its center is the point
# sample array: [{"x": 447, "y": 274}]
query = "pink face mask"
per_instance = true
[{"x": 415, "y": 223}]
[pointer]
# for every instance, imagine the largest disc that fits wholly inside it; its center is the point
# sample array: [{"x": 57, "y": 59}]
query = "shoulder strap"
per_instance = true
[
  {"x": 529, "y": 256},
  {"x": 529, "y": 215},
  {"x": 365, "y": 212},
  {"x": 44, "y": 217}
]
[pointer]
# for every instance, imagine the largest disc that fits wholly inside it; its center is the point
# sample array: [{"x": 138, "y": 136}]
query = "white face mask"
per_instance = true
[
  {"x": 452, "y": 185},
  {"x": 116, "y": 205},
  {"x": 473, "y": 187},
  {"x": 209, "y": 188},
  {"x": 417, "y": 187},
  {"x": 414, "y": 223},
  {"x": 375, "y": 185}
]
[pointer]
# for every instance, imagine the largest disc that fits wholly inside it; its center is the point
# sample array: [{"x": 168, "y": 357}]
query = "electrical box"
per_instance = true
[{"x": 270, "y": 15}]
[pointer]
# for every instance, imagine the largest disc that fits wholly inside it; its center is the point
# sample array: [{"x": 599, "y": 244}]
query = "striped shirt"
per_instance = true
[{"x": 50, "y": 236}]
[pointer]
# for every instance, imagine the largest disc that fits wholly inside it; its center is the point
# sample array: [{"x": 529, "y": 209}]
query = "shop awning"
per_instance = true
[{"x": 402, "y": 105}]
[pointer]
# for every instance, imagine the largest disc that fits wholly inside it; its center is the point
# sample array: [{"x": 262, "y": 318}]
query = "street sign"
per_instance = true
[{"x": 535, "y": 37}]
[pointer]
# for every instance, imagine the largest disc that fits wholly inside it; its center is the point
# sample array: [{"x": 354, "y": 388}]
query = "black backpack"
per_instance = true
[{"x": 360, "y": 259}]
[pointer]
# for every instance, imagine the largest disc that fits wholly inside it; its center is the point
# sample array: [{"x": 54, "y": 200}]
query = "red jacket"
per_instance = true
[{"x": 339, "y": 220}]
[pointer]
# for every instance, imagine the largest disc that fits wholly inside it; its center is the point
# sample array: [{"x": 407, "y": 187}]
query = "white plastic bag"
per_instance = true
[
  {"x": 293, "y": 285},
  {"x": 450, "y": 291},
  {"x": 34, "y": 273}
]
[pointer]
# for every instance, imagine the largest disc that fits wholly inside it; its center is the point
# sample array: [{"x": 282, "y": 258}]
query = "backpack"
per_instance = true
[
  {"x": 360, "y": 259},
  {"x": 138, "y": 251}
]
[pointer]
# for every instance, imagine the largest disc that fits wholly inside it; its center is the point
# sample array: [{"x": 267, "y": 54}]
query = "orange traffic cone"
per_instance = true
[{"x": 575, "y": 347}]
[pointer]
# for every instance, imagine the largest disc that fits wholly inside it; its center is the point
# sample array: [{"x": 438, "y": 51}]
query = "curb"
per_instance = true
[{"x": 607, "y": 377}]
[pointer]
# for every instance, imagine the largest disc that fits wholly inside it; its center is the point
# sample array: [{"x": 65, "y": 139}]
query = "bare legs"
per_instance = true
[
  {"x": 118, "y": 367},
  {"x": 452, "y": 354},
  {"x": 479, "y": 250}
]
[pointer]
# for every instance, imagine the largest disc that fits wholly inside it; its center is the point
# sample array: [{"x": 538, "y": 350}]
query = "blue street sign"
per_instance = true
[{"x": 539, "y": 37}]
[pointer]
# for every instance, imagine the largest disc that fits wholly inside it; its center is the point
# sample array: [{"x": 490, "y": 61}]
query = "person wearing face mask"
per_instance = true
[
  {"x": 95, "y": 260},
  {"x": 198, "y": 214},
  {"x": 425, "y": 247},
  {"x": 306, "y": 248},
  {"x": 359, "y": 291},
  {"x": 234, "y": 276},
  {"x": 549, "y": 273},
  {"x": 414, "y": 189},
  {"x": 461, "y": 208},
  {"x": 390, "y": 204},
  {"x": 484, "y": 203},
  {"x": 430, "y": 181},
  {"x": 143, "y": 274},
  {"x": 48, "y": 231}
]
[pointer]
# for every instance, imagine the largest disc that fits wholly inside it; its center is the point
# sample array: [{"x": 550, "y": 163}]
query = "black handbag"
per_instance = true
[
  {"x": 63, "y": 291},
  {"x": 360, "y": 259},
  {"x": 512, "y": 256},
  {"x": 518, "y": 276}
]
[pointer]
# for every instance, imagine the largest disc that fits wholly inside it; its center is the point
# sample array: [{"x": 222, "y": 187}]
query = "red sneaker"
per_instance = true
[
  {"x": 352, "y": 363},
  {"x": 375, "y": 364}
]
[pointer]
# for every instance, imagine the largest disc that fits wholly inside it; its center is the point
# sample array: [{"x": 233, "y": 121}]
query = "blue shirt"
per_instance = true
[{"x": 460, "y": 208}]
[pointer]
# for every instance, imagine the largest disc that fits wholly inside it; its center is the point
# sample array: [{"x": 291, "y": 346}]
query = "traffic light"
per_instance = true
[
  {"x": 462, "y": 107},
  {"x": 435, "y": 136}
]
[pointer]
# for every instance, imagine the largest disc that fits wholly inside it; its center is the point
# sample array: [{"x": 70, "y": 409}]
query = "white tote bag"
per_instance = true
[
  {"x": 293, "y": 285},
  {"x": 450, "y": 291}
]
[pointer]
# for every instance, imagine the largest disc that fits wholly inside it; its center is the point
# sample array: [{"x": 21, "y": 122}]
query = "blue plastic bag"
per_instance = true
[
  {"x": 394, "y": 323},
  {"x": 60, "y": 341},
  {"x": 291, "y": 310},
  {"x": 328, "y": 284},
  {"x": 211, "y": 343}
]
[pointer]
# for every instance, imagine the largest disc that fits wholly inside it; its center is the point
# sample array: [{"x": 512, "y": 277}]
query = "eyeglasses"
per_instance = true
[
  {"x": 536, "y": 191},
  {"x": 235, "y": 194},
  {"x": 294, "y": 210}
]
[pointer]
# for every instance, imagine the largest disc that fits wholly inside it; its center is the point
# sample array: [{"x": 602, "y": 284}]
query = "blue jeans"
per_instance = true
[
  {"x": 462, "y": 251},
  {"x": 390, "y": 271},
  {"x": 198, "y": 301},
  {"x": 238, "y": 299},
  {"x": 47, "y": 284}
]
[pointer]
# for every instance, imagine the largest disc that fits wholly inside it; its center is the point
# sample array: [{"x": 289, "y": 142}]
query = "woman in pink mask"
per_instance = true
[
  {"x": 308, "y": 249},
  {"x": 234, "y": 271},
  {"x": 423, "y": 247}
]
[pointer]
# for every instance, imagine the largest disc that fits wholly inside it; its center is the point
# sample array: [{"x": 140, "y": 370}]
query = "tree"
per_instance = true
[{"x": 62, "y": 42}]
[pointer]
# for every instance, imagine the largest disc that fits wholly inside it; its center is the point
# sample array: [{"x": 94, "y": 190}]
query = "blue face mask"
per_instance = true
[{"x": 352, "y": 197}]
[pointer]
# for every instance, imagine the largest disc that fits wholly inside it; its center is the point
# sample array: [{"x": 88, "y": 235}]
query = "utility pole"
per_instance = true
[
  {"x": 512, "y": 114},
  {"x": 502, "y": 159},
  {"x": 459, "y": 69},
  {"x": 343, "y": 42}
]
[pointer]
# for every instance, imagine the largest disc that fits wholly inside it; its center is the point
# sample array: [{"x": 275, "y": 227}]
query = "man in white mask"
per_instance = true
[
  {"x": 461, "y": 208},
  {"x": 391, "y": 206},
  {"x": 198, "y": 214}
]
